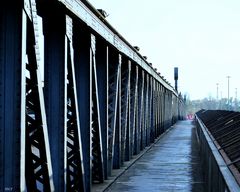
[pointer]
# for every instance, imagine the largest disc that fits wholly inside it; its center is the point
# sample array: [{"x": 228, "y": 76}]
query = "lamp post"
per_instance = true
[
  {"x": 228, "y": 77},
  {"x": 236, "y": 101},
  {"x": 217, "y": 102}
]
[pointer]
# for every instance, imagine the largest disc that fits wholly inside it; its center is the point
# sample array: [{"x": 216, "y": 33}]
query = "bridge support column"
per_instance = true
[
  {"x": 102, "y": 74},
  {"x": 124, "y": 100},
  {"x": 83, "y": 70},
  {"x": 62, "y": 103},
  {"x": 113, "y": 108},
  {"x": 132, "y": 109},
  {"x": 27, "y": 165},
  {"x": 11, "y": 22},
  {"x": 96, "y": 131},
  {"x": 54, "y": 89}
]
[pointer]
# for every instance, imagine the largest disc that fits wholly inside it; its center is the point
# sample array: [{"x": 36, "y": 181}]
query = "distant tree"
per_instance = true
[{"x": 192, "y": 106}]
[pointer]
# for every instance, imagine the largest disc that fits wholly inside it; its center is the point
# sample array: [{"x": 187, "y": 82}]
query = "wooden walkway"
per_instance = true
[{"x": 171, "y": 164}]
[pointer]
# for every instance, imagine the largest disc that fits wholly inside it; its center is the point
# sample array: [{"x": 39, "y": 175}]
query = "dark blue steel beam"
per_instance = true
[
  {"x": 60, "y": 94},
  {"x": 162, "y": 95},
  {"x": 10, "y": 94},
  {"x": 74, "y": 175},
  {"x": 124, "y": 97},
  {"x": 151, "y": 111},
  {"x": 117, "y": 132},
  {"x": 148, "y": 111},
  {"x": 157, "y": 103},
  {"x": 141, "y": 109},
  {"x": 132, "y": 106},
  {"x": 102, "y": 74},
  {"x": 146, "y": 122},
  {"x": 35, "y": 158},
  {"x": 81, "y": 45},
  {"x": 54, "y": 89},
  {"x": 135, "y": 117},
  {"x": 27, "y": 165},
  {"x": 160, "y": 106},
  {"x": 129, "y": 131},
  {"x": 102, "y": 107},
  {"x": 114, "y": 66},
  {"x": 154, "y": 109},
  {"x": 96, "y": 131},
  {"x": 144, "y": 111}
]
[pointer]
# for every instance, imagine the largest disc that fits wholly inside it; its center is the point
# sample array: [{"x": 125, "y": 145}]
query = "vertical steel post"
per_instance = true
[
  {"x": 140, "y": 111},
  {"x": 12, "y": 28},
  {"x": 38, "y": 172},
  {"x": 83, "y": 73},
  {"x": 135, "y": 116},
  {"x": 124, "y": 98},
  {"x": 113, "y": 94},
  {"x": 73, "y": 158},
  {"x": 96, "y": 134},
  {"x": 147, "y": 112},
  {"x": 158, "y": 114},
  {"x": 151, "y": 111},
  {"x": 160, "y": 109},
  {"x": 128, "y": 131},
  {"x": 54, "y": 91},
  {"x": 117, "y": 137},
  {"x": 102, "y": 74}
]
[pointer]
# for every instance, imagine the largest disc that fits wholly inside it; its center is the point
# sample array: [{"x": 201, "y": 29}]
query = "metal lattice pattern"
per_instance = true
[
  {"x": 75, "y": 177},
  {"x": 140, "y": 110},
  {"x": 37, "y": 176},
  {"x": 97, "y": 157},
  {"x": 114, "y": 73},
  {"x": 125, "y": 82},
  {"x": 36, "y": 160},
  {"x": 146, "y": 115},
  {"x": 119, "y": 100},
  {"x": 133, "y": 109},
  {"x": 131, "y": 112}
]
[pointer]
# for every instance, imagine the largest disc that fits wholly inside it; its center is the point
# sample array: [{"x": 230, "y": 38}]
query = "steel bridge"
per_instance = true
[{"x": 72, "y": 113}]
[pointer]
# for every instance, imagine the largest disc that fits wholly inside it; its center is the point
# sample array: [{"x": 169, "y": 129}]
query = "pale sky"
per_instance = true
[{"x": 201, "y": 37}]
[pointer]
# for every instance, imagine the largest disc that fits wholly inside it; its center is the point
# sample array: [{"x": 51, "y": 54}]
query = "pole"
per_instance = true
[
  {"x": 217, "y": 101},
  {"x": 236, "y": 101},
  {"x": 228, "y": 77},
  {"x": 236, "y": 93}
]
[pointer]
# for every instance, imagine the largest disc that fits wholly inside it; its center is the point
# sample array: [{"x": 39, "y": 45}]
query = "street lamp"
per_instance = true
[
  {"x": 228, "y": 77},
  {"x": 217, "y": 101},
  {"x": 217, "y": 90},
  {"x": 236, "y": 100}
]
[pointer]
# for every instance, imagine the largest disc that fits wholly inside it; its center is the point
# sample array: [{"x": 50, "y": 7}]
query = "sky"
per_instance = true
[{"x": 200, "y": 37}]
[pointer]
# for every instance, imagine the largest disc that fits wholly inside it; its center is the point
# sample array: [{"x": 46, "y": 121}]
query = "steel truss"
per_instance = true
[
  {"x": 34, "y": 135},
  {"x": 70, "y": 116},
  {"x": 74, "y": 165},
  {"x": 97, "y": 156}
]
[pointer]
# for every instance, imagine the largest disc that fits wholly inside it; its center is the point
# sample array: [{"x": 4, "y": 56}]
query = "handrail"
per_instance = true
[{"x": 229, "y": 175}]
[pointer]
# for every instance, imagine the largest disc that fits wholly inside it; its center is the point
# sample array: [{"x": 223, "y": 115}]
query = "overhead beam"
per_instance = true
[{"x": 104, "y": 29}]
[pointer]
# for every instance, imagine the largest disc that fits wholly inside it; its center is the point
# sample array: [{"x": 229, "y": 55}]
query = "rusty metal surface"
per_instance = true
[
  {"x": 224, "y": 129},
  {"x": 172, "y": 164}
]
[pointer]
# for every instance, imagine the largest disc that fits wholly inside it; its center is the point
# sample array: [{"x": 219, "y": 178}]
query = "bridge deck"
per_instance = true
[{"x": 171, "y": 164}]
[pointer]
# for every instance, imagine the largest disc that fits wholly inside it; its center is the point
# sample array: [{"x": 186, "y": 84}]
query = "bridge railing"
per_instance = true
[
  {"x": 72, "y": 113},
  {"x": 218, "y": 134}
]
